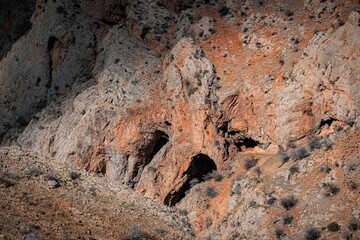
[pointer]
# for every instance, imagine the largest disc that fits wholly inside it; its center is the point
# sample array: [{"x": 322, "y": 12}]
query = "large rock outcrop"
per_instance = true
[
  {"x": 166, "y": 96},
  {"x": 14, "y": 22},
  {"x": 324, "y": 84}
]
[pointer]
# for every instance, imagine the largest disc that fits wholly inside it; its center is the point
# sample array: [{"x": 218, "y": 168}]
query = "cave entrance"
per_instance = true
[
  {"x": 200, "y": 166},
  {"x": 157, "y": 141},
  {"x": 244, "y": 143},
  {"x": 327, "y": 122}
]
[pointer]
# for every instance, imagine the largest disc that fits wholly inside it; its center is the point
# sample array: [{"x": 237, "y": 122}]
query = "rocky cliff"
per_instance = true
[{"x": 240, "y": 113}]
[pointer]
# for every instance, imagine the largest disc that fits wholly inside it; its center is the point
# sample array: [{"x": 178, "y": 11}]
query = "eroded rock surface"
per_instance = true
[{"x": 189, "y": 102}]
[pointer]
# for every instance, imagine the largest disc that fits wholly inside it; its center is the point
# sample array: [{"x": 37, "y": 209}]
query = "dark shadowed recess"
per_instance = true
[
  {"x": 158, "y": 140},
  {"x": 200, "y": 165},
  {"x": 244, "y": 143},
  {"x": 14, "y": 22}
]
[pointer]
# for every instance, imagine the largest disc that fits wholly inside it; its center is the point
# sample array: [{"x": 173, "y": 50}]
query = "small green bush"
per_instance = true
[
  {"x": 258, "y": 171},
  {"x": 249, "y": 163},
  {"x": 279, "y": 233},
  {"x": 287, "y": 219},
  {"x": 224, "y": 11},
  {"x": 33, "y": 171},
  {"x": 288, "y": 202},
  {"x": 300, "y": 153},
  {"x": 284, "y": 157},
  {"x": 312, "y": 233},
  {"x": 289, "y": 13},
  {"x": 271, "y": 201},
  {"x": 294, "y": 169},
  {"x": 210, "y": 192},
  {"x": 352, "y": 185},
  {"x": 330, "y": 189},
  {"x": 333, "y": 227},
  {"x": 353, "y": 226},
  {"x": 314, "y": 144},
  {"x": 135, "y": 232},
  {"x": 325, "y": 168},
  {"x": 74, "y": 175},
  {"x": 236, "y": 189},
  {"x": 213, "y": 175},
  {"x": 6, "y": 183},
  {"x": 160, "y": 231}
]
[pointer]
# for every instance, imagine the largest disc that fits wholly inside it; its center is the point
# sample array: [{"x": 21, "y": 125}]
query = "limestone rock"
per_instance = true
[
  {"x": 162, "y": 96},
  {"x": 325, "y": 83}
]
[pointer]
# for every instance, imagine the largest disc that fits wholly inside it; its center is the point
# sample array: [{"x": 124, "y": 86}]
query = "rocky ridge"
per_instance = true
[{"x": 157, "y": 94}]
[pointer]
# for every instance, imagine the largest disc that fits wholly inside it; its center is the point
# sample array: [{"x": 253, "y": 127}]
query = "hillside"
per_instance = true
[{"x": 191, "y": 119}]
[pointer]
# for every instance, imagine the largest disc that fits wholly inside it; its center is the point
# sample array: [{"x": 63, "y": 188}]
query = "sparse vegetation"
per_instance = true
[
  {"x": 258, "y": 171},
  {"x": 292, "y": 142},
  {"x": 224, "y": 11},
  {"x": 33, "y": 171},
  {"x": 74, "y": 175},
  {"x": 52, "y": 181},
  {"x": 287, "y": 219},
  {"x": 296, "y": 40},
  {"x": 289, "y": 13},
  {"x": 160, "y": 231},
  {"x": 271, "y": 201},
  {"x": 352, "y": 167},
  {"x": 314, "y": 144},
  {"x": 191, "y": 90},
  {"x": 348, "y": 235},
  {"x": 236, "y": 189},
  {"x": 92, "y": 191},
  {"x": 288, "y": 202},
  {"x": 50, "y": 177},
  {"x": 327, "y": 145},
  {"x": 249, "y": 163},
  {"x": 284, "y": 157},
  {"x": 6, "y": 183},
  {"x": 333, "y": 227},
  {"x": 330, "y": 189},
  {"x": 325, "y": 168},
  {"x": 299, "y": 153},
  {"x": 213, "y": 175},
  {"x": 294, "y": 169},
  {"x": 353, "y": 226},
  {"x": 352, "y": 185},
  {"x": 183, "y": 212},
  {"x": 11, "y": 175},
  {"x": 210, "y": 192},
  {"x": 312, "y": 233},
  {"x": 135, "y": 232},
  {"x": 279, "y": 233},
  {"x": 251, "y": 204}
]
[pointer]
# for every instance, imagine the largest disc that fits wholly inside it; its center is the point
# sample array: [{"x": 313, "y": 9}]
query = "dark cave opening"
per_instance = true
[
  {"x": 158, "y": 140},
  {"x": 52, "y": 42},
  {"x": 327, "y": 121},
  {"x": 200, "y": 165},
  {"x": 244, "y": 143}
]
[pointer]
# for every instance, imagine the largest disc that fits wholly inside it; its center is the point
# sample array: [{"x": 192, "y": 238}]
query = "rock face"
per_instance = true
[
  {"x": 325, "y": 83},
  {"x": 15, "y": 22},
  {"x": 62, "y": 53},
  {"x": 180, "y": 99}
]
